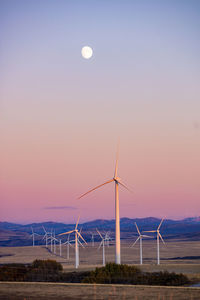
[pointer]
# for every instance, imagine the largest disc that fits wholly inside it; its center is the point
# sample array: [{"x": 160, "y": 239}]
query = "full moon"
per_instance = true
[{"x": 86, "y": 52}]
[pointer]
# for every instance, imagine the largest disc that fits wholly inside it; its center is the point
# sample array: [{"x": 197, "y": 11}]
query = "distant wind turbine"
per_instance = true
[
  {"x": 92, "y": 238},
  {"x": 158, "y": 238},
  {"x": 103, "y": 246},
  {"x": 107, "y": 238},
  {"x": 117, "y": 182},
  {"x": 77, "y": 234},
  {"x": 33, "y": 236},
  {"x": 60, "y": 244},
  {"x": 68, "y": 244},
  {"x": 140, "y": 238},
  {"x": 46, "y": 237},
  {"x": 54, "y": 239}
]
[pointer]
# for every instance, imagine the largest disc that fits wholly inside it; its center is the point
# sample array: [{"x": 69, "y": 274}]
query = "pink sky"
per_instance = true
[{"x": 61, "y": 116}]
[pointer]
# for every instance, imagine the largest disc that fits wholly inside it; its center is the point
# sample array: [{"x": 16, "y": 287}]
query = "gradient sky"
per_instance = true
[{"x": 61, "y": 115}]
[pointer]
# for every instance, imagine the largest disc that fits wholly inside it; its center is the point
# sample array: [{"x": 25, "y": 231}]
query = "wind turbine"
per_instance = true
[
  {"x": 51, "y": 240},
  {"x": 103, "y": 246},
  {"x": 33, "y": 235},
  {"x": 117, "y": 182},
  {"x": 139, "y": 238},
  {"x": 92, "y": 238},
  {"x": 68, "y": 244},
  {"x": 54, "y": 239},
  {"x": 46, "y": 236},
  {"x": 60, "y": 244},
  {"x": 77, "y": 234},
  {"x": 107, "y": 238},
  {"x": 158, "y": 238}
]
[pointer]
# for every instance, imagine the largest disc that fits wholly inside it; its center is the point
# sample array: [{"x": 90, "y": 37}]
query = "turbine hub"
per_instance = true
[{"x": 116, "y": 179}]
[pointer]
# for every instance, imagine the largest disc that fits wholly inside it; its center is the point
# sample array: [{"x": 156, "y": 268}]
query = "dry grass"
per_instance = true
[
  {"x": 96, "y": 292},
  {"x": 90, "y": 257}
]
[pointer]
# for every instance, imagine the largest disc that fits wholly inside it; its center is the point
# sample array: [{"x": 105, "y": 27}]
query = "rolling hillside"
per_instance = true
[{"x": 12, "y": 234}]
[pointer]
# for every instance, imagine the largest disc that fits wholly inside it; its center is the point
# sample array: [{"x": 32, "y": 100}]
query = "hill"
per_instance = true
[{"x": 12, "y": 234}]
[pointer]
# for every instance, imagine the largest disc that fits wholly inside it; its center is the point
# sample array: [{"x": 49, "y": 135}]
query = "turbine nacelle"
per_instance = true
[{"x": 117, "y": 179}]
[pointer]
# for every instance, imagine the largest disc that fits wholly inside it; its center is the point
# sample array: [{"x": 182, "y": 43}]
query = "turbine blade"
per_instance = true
[
  {"x": 81, "y": 237},
  {"x": 99, "y": 233},
  {"x": 81, "y": 244},
  {"x": 135, "y": 242},
  {"x": 77, "y": 222},
  {"x": 44, "y": 229},
  {"x": 67, "y": 232},
  {"x": 161, "y": 238},
  {"x": 96, "y": 188},
  {"x": 150, "y": 231},
  {"x": 100, "y": 245},
  {"x": 137, "y": 229},
  {"x": 116, "y": 164},
  {"x": 160, "y": 223},
  {"x": 125, "y": 186}
]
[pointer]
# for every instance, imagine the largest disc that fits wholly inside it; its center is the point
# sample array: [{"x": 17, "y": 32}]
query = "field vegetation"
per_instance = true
[
  {"x": 124, "y": 274},
  {"x": 52, "y": 271}
]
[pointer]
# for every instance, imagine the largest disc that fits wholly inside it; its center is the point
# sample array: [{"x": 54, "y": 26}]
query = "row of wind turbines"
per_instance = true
[
  {"x": 117, "y": 181},
  {"x": 50, "y": 239}
]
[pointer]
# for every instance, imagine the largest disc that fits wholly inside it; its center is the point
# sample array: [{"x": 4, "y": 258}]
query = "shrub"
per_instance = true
[
  {"x": 13, "y": 272},
  {"x": 39, "y": 270},
  {"x": 124, "y": 274},
  {"x": 113, "y": 273},
  {"x": 48, "y": 265}
]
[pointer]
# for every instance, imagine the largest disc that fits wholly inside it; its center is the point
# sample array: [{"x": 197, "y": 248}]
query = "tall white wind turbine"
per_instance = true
[
  {"x": 117, "y": 182},
  {"x": 77, "y": 234},
  {"x": 140, "y": 238},
  {"x": 158, "y": 239}
]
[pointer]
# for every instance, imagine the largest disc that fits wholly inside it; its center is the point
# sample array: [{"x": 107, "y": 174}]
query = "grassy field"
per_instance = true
[
  {"x": 90, "y": 257},
  {"x": 25, "y": 291}
]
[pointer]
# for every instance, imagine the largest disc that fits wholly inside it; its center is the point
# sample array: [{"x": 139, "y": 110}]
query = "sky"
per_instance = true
[{"x": 61, "y": 116}]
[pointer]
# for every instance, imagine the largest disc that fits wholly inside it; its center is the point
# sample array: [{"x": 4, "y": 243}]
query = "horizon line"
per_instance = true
[{"x": 99, "y": 219}]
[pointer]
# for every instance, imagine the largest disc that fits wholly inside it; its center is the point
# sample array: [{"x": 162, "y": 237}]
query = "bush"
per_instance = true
[
  {"x": 114, "y": 273},
  {"x": 48, "y": 265},
  {"x": 45, "y": 270},
  {"x": 124, "y": 274},
  {"x": 51, "y": 271},
  {"x": 39, "y": 270},
  {"x": 13, "y": 272}
]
